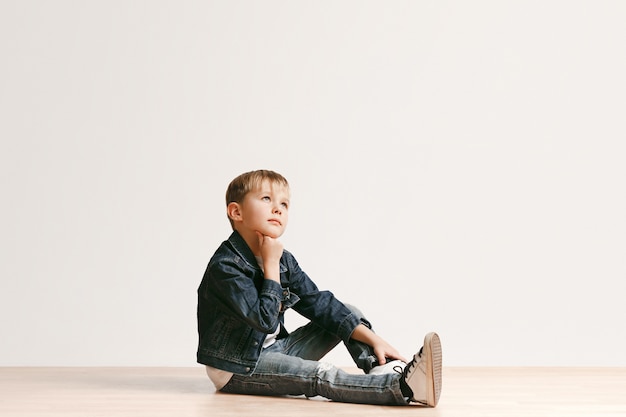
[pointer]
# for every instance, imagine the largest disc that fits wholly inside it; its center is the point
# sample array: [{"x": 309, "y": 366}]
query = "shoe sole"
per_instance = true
[{"x": 432, "y": 351}]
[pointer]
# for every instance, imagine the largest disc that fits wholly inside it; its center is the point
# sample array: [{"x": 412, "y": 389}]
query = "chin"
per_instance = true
[{"x": 274, "y": 235}]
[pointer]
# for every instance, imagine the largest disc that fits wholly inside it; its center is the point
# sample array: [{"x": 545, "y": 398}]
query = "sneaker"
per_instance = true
[
  {"x": 389, "y": 367},
  {"x": 423, "y": 374}
]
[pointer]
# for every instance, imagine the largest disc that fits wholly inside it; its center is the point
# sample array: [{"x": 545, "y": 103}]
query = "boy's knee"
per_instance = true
[
  {"x": 359, "y": 314},
  {"x": 354, "y": 310}
]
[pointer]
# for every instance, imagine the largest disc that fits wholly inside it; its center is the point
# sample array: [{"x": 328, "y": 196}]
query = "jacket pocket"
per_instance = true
[{"x": 219, "y": 334}]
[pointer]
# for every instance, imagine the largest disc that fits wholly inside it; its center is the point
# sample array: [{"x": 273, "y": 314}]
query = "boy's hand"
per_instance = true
[
  {"x": 271, "y": 251},
  {"x": 382, "y": 349}
]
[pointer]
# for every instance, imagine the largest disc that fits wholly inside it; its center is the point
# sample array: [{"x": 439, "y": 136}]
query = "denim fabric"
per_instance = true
[
  {"x": 290, "y": 367},
  {"x": 237, "y": 307}
]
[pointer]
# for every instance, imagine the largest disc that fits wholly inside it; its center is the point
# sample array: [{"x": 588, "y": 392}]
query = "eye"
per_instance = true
[
  {"x": 285, "y": 205},
  {"x": 266, "y": 198}
]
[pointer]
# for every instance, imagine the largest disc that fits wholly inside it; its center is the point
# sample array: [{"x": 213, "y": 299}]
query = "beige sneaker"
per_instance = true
[{"x": 423, "y": 374}]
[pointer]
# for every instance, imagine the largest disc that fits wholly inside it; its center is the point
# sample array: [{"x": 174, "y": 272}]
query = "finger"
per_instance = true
[{"x": 380, "y": 355}]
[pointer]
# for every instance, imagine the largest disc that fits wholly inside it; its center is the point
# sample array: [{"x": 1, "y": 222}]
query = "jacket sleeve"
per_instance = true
[
  {"x": 228, "y": 283},
  {"x": 321, "y": 307}
]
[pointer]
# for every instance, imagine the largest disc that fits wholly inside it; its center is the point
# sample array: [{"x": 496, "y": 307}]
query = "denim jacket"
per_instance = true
[{"x": 238, "y": 307}]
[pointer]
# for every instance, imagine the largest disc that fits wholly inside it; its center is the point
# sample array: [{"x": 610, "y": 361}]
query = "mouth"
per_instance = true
[{"x": 275, "y": 221}]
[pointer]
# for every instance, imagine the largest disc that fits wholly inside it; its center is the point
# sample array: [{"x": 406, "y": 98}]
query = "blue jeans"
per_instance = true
[{"x": 290, "y": 367}]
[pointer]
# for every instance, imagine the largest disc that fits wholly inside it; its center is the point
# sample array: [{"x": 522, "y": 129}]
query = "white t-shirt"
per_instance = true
[{"x": 220, "y": 378}]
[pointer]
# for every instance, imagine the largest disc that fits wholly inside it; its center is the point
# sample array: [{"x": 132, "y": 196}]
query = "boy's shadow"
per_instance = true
[{"x": 185, "y": 381}]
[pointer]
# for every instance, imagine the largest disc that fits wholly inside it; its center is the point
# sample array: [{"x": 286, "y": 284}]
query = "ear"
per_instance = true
[{"x": 234, "y": 211}]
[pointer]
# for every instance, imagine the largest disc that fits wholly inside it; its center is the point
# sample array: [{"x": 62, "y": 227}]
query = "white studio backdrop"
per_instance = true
[{"x": 455, "y": 166}]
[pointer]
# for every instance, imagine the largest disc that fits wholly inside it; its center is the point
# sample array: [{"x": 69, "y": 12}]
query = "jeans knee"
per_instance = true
[{"x": 355, "y": 310}]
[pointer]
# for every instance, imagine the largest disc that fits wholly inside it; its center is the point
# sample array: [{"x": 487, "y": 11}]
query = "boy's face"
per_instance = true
[{"x": 264, "y": 210}]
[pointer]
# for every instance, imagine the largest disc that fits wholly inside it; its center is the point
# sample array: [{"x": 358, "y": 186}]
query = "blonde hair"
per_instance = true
[{"x": 244, "y": 183}]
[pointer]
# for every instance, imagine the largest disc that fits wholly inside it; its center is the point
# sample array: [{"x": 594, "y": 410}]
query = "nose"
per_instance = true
[{"x": 277, "y": 210}]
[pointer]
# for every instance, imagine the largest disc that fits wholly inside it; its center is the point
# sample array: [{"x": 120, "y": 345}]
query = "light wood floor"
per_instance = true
[{"x": 180, "y": 392}]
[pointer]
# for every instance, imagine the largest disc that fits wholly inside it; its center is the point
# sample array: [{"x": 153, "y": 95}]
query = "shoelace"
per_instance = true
[{"x": 404, "y": 372}]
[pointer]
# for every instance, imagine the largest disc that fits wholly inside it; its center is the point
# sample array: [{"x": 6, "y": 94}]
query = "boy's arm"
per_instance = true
[
  {"x": 382, "y": 349},
  {"x": 259, "y": 307},
  {"x": 226, "y": 282},
  {"x": 321, "y": 306}
]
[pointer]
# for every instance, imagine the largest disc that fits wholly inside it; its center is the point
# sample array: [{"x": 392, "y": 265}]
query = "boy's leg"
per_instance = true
[
  {"x": 280, "y": 374},
  {"x": 312, "y": 342},
  {"x": 422, "y": 376},
  {"x": 420, "y": 379},
  {"x": 309, "y": 342}
]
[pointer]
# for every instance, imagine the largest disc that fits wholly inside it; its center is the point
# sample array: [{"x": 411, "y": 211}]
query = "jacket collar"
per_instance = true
[{"x": 242, "y": 248}]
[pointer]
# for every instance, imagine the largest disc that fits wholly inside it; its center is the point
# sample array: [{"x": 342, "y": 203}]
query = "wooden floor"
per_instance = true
[{"x": 180, "y": 392}]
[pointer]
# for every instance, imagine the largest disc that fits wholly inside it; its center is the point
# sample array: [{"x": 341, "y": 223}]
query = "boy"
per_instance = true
[{"x": 250, "y": 282}]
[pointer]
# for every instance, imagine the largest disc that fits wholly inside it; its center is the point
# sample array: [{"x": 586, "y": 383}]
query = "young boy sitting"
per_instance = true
[{"x": 249, "y": 283}]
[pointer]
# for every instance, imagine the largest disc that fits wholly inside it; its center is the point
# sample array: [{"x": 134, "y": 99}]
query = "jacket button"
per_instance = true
[
  {"x": 247, "y": 369},
  {"x": 255, "y": 343}
]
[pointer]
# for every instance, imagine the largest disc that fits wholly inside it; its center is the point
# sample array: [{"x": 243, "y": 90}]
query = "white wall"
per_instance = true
[{"x": 455, "y": 166}]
